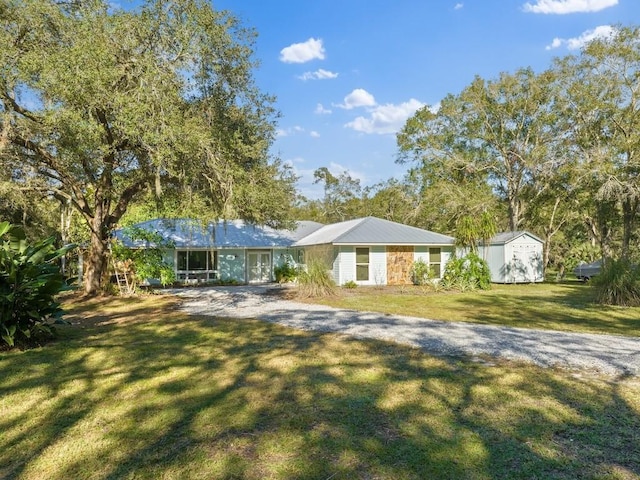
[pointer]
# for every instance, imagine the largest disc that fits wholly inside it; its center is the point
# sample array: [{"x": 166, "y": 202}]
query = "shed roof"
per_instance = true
[
  {"x": 503, "y": 238},
  {"x": 373, "y": 231},
  {"x": 187, "y": 233}
]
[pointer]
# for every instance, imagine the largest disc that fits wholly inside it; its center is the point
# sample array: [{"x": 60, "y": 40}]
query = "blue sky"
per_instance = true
[{"x": 348, "y": 73}]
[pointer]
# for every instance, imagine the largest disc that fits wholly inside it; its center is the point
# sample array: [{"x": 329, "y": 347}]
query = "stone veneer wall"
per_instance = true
[{"x": 399, "y": 263}]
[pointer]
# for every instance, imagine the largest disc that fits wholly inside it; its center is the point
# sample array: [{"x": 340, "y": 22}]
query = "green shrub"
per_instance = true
[
  {"x": 350, "y": 284},
  {"x": 316, "y": 281},
  {"x": 30, "y": 278},
  {"x": 420, "y": 272},
  {"x": 143, "y": 263},
  {"x": 285, "y": 273},
  {"x": 618, "y": 284},
  {"x": 467, "y": 273}
]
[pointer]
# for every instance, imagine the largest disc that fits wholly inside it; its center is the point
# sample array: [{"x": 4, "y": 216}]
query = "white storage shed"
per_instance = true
[{"x": 514, "y": 257}]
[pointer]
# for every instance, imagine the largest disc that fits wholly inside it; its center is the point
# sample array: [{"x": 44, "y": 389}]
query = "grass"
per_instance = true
[
  {"x": 135, "y": 389},
  {"x": 553, "y": 306}
]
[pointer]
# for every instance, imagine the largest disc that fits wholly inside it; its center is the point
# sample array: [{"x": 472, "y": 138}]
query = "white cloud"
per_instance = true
[
  {"x": 314, "y": 134},
  {"x": 576, "y": 43},
  {"x": 336, "y": 169},
  {"x": 458, "y": 6},
  {"x": 320, "y": 110},
  {"x": 557, "y": 42},
  {"x": 561, "y": 7},
  {"x": 303, "y": 52},
  {"x": 319, "y": 74},
  {"x": 385, "y": 119},
  {"x": 289, "y": 131},
  {"x": 358, "y": 98}
]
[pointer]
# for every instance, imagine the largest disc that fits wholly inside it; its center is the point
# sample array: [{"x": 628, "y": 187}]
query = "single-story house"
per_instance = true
[
  {"x": 223, "y": 251},
  {"x": 514, "y": 257},
  {"x": 368, "y": 251},
  {"x": 372, "y": 251}
]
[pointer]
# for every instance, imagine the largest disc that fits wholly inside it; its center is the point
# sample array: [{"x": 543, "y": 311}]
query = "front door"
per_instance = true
[{"x": 259, "y": 265}]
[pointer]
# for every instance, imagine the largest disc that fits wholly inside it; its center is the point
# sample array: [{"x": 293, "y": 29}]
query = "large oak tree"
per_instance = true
[{"x": 100, "y": 106}]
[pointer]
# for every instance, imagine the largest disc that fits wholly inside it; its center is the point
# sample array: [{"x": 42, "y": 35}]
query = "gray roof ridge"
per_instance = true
[{"x": 359, "y": 221}]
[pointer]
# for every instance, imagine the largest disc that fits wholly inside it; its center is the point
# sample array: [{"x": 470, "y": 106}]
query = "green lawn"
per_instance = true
[
  {"x": 135, "y": 389},
  {"x": 554, "y": 306}
]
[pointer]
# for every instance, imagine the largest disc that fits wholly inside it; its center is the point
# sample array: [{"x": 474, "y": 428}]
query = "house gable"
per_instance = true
[{"x": 373, "y": 231}]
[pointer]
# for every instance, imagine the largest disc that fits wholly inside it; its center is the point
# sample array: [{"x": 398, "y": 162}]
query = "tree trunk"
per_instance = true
[
  {"x": 514, "y": 213},
  {"x": 97, "y": 259},
  {"x": 629, "y": 209},
  {"x": 549, "y": 231},
  {"x": 65, "y": 228}
]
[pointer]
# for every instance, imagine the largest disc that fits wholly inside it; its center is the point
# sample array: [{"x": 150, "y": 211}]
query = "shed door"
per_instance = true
[{"x": 526, "y": 263}]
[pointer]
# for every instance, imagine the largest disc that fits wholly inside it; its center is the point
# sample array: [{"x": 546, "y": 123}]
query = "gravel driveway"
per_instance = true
[{"x": 608, "y": 354}]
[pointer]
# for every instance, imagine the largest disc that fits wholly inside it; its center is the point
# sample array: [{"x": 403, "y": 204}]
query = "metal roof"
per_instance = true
[
  {"x": 187, "y": 233},
  {"x": 373, "y": 231},
  {"x": 508, "y": 237}
]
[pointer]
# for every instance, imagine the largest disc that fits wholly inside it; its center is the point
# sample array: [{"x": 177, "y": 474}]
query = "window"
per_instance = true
[
  {"x": 435, "y": 261},
  {"x": 197, "y": 260},
  {"x": 362, "y": 264}
]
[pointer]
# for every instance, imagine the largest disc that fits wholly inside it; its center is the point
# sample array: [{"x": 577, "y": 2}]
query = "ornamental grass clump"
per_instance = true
[
  {"x": 618, "y": 284},
  {"x": 315, "y": 281}
]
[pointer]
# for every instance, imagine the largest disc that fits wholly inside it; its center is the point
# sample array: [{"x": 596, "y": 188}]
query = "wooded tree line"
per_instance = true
[{"x": 555, "y": 152}]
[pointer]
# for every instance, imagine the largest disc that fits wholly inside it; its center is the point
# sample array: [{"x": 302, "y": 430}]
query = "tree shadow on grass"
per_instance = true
[
  {"x": 148, "y": 394},
  {"x": 571, "y": 307}
]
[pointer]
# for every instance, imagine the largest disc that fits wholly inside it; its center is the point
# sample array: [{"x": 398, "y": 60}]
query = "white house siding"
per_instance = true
[
  {"x": 346, "y": 263},
  {"x": 377, "y": 265},
  {"x": 422, "y": 253},
  {"x": 446, "y": 254},
  {"x": 335, "y": 265},
  {"x": 344, "y": 266}
]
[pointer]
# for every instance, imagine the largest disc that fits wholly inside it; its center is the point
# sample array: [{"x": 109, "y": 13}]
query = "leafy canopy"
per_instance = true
[{"x": 100, "y": 106}]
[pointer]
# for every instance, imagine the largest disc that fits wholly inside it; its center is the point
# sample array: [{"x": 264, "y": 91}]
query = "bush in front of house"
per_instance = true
[
  {"x": 30, "y": 279},
  {"x": 467, "y": 273},
  {"x": 316, "y": 281},
  {"x": 285, "y": 273},
  {"x": 420, "y": 272},
  {"x": 618, "y": 283}
]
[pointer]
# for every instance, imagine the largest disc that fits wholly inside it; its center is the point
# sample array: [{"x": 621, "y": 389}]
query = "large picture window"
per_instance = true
[
  {"x": 193, "y": 260},
  {"x": 362, "y": 264}
]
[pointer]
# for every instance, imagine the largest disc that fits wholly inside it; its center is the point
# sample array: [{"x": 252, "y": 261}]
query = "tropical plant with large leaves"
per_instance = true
[{"x": 30, "y": 280}]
